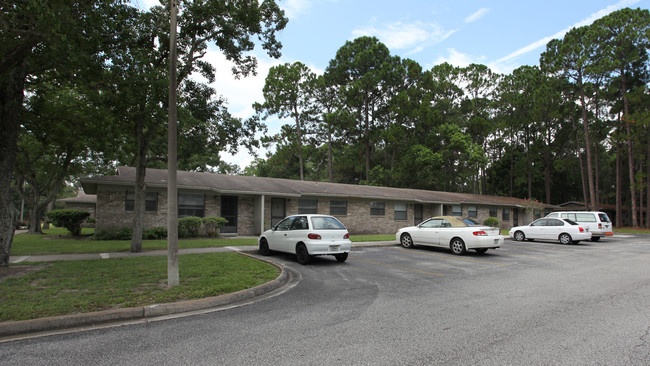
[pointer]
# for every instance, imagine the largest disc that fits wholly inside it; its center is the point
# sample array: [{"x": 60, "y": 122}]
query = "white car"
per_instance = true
[
  {"x": 307, "y": 236},
  {"x": 598, "y": 223},
  {"x": 563, "y": 230},
  {"x": 452, "y": 232}
]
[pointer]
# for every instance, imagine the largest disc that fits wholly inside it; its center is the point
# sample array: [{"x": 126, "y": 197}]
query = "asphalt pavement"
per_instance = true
[{"x": 287, "y": 278}]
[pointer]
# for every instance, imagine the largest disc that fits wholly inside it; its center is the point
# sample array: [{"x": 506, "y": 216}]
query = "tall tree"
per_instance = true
[
  {"x": 362, "y": 68},
  {"x": 62, "y": 37},
  {"x": 289, "y": 92}
]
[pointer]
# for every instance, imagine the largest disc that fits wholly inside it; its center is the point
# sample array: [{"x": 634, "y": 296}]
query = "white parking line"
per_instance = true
[{"x": 104, "y": 255}]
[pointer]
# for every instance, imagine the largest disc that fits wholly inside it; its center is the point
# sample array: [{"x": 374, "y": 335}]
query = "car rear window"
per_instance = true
[
  {"x": 470, "y": 222},
  {"x": 603, "y": 217},
  {"x": 571, "y": 222},
  {"x": 326, "y": 223}
]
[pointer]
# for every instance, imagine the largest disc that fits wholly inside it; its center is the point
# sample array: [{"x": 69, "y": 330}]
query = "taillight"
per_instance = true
[
  {"x": 480, "y": 233},
  {"x": 346, "y": 236},
  {"x": 314, "y": 236},
  {"x": 600, "y": 226},
  {"x": 581, "y": 229}
]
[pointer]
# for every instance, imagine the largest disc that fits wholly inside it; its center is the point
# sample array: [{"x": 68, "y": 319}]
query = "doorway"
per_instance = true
[
  {"x": 278, "y": 210},
  {"x": 229, "y": 212}
]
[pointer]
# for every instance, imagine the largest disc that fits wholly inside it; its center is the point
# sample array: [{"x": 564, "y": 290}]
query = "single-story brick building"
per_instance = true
[
  {"x": 83, "y": 201},
  {"x": 253, "y": 204}
]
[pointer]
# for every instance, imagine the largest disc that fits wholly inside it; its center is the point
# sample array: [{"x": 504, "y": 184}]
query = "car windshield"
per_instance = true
[{"x": 326, "y": 223}]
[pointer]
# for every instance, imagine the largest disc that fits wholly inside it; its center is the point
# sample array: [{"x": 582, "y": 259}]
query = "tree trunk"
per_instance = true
[
  {"x": 585, "y": 123},
  {"x": 140, "y": 194},
  {"x": 619, "y": 204},
  {"x": 647, "y": 182},
  {"x": 299, "y": 135},
  {"x": 367, "y": 137},
  {"x": 329, "y": 156},
  {"x": 11, "y": 100},
  {"x": 630, "y": 150}
]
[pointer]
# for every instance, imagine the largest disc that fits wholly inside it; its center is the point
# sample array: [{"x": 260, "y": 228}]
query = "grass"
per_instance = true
[
  {"x": 67, "y": 287},
  {"x": 56, "y": 241}
]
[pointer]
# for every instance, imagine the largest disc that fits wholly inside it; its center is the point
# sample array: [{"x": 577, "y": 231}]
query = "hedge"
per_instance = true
[{"x": 69, "y": 219}]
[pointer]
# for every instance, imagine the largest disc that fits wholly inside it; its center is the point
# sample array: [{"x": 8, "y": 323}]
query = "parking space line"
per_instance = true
[
  {"x": 448, "y": 257},
  {"x": 399, "y": 267}
]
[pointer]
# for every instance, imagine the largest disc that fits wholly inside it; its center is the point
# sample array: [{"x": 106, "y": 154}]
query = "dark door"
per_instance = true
[
  {"x": 417, "y": 214},
  {"x": 229, "y": 212},
  {"x": 278, "y": 210},
  {"x": 515, "y": 217}
]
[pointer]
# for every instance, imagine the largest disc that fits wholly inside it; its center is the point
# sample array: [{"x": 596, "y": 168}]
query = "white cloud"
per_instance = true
[
  {"x": 293, "y": 8},
  {"x": 400, "y": 35},
  {"x": 542, "y": 42},
  {"x": 477, "y": 15},
  {"x": 459, "y": 59}
]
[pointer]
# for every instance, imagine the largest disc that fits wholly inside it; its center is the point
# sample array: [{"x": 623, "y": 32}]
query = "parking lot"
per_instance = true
[{"x": 537, "y": 303}]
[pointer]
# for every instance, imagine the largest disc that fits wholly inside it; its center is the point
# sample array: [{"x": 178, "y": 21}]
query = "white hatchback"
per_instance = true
[
  {"x": 563, "y": 230},
  {"x": 307, "y": 236}
]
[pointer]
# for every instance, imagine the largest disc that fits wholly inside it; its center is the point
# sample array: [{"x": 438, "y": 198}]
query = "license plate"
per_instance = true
[
  {"x": 496, "y": 241},
  {"x": 334, "y": 248}
]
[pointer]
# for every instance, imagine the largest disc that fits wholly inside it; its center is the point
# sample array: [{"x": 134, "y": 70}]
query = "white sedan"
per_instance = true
[
  {"x": 307, "y": 236},
  {"x": 452, "y": 232},
  {"x": 563, "y": 230}
]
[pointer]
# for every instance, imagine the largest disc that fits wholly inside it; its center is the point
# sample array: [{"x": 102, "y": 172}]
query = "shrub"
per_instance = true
[
  {"x": 113, "y": 233},
  {"x": 212, "y": 225},
  {"x": 491, "y": 221},
  {"x": 154, "y": 233},
  {"x": 69, "y": 219},
  {"x": 188, "y": 227}
]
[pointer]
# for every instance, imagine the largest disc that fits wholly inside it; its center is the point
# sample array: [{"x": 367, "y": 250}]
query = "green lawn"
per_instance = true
[
  {"x": 68, "y": 287},
  {"x": 56, "y": 241}
]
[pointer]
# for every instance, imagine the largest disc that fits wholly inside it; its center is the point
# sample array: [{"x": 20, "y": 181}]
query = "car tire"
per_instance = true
[
  {"x": 341, "y": 257},
  {"x": 406, "y": 241},
  {"x": 302, "y": 255},
  {"x": 565, "y": 238},
  {"x": 481, "y": 250},
  {"x": 519, "y": 236},
  {"x": 595, "y": 238},
  {"x": 264, "y": 248},
  {"x": 457, "y": 246}
]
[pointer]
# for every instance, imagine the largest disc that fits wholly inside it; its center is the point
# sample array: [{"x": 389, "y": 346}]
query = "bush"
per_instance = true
[
  {"x": 154, "y": 233},
  {"x": 113, "y": 233},
  {"x": 212, "y": 225},
  {"x": 69, "y": 219},
  {"x": 491, "y": 221},
  {"x": 188, "y": 227}
]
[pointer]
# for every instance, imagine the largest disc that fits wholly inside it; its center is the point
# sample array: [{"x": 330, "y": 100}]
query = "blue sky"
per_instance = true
[{"x": 500, "y": 34}]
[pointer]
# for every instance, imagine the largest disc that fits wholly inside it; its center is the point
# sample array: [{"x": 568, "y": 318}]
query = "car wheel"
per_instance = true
[
  {"x": 406, "y": 241},
  {"x": 457, "y": 246},
  {"x": 341, "y": 257},
  {"x": 481, "y": 250},
  {"x": 264, "y": 247},
  {"x": 519, "y": 236},
  {"x": 302, "y": 254},
  {"x": 565, "y": 238},
  {"x": 595, "y": 238}
]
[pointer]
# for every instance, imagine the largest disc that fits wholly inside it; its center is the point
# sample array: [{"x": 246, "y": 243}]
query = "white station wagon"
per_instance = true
[{"x": 307, "y": 236}]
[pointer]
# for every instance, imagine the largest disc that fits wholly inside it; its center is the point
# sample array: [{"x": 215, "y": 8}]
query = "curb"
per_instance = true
[{"x": 13, "y": 328}]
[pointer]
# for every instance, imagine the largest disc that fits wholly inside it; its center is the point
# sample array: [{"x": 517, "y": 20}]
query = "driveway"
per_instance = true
[{"x": 527, "y": 303}]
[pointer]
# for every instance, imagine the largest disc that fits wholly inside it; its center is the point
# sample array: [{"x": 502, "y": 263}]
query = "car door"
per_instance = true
[
  {"x": 446, "y": 232},
  {"x": 427, "y": 233},
  {"x": 297, "y": 232},
  {"x": 537, "y": 229},
  {"x": 278, "y": 236},
  {"x": 554, "y": 228}
]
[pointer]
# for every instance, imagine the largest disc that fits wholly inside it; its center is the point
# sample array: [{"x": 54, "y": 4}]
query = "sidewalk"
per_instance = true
[{"x": 288, "y": 277}]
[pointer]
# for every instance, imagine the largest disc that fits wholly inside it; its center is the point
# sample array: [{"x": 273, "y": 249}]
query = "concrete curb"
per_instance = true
[{"x": 13, "y": 328}]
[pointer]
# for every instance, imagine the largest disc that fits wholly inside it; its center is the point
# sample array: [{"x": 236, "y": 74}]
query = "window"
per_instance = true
[
  {"x": 306, "y": 206},
  {"x": 326, "y": 223},
  {"x": 505, "y": 216},
  {"x": 400, "y": 211},
  {"x": 471, "y": 211},
  {"x": 377, "y": 208},
  {"x": 338, "y": 208},
  {"x": 493, "y": 212},
  {"x": 432, "y": 223},
  {"x": 456, "y": 210},
  {"x": 150, "y": 202},
  {"x": 285, "y": 224},
  {"x": 300, "y": 223},
  {"x": 190, "y": 204}
]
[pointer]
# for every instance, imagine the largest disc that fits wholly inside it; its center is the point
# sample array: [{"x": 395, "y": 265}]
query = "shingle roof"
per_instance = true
[
  {"x": 81, "y": 197},
  {"x": 236, "y": 184}
]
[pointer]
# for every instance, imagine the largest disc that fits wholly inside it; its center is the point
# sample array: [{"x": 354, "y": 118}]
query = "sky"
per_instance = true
[{"x": 500, "y": 34}]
